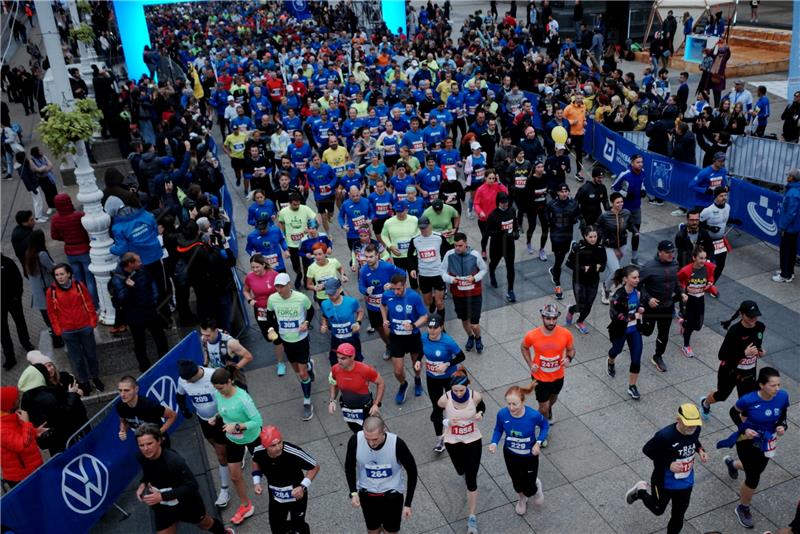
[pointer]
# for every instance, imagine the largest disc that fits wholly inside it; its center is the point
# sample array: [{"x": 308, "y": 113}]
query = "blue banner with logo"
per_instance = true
[
  {"x": 73, "y": 490},
  {"x": 757, "y": 208},
  {"x": 299, "y": 9}
]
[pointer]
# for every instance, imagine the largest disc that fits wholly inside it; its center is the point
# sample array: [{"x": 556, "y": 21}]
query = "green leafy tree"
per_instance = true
[{"x": 62, "y": 128}]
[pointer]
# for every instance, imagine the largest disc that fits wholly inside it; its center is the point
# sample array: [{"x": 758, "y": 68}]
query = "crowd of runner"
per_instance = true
[{"x": 397, "y": 139}]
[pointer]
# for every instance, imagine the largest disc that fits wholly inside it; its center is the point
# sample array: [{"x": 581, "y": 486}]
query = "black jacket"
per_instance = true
[
  {"x": 592, "y": 198},
  {"x": 682, "y": 148},
  {"x": 584, "y": 259},
  {"x": 659, "y": 280},
  {"x": 659, "y": 140},
  {"x": 685, "y": 246},
  {"x": 502, "y": 225},
  {"x": 11, "y": 282},
  {"x": 138, "y": 302},
  {"x": 562, "y": 216},
  {"x": 619, "y": 313}
]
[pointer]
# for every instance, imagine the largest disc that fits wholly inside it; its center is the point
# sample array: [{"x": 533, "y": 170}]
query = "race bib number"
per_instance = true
[
  {"x": 462, "y": 430},
  {"x": 359, "y": 221},
  {"x": 325, "y": 189},
  {"x": 715, "y": 182},
  {"x": 301, "y": 165},
  {"x": 747, "y": 363},
  {"x": 202, "y": 399},
  {"x": 173, "y": 502},
  {"x": 374, "y": 300},
  {"x": 282, "y": 494},
  {"x": 261, "y": 314},
  {"x": 433, "y": 368},
  {"x": 518, "y": 445},
  {"x": 297, "y": 237},
  {"x": 381, "y": 209},
  {"x": 720, "y": 246},
  {"x": 520, "y": 181},
  {"x": 464, "y": 285},
  {"x": 433, "y": 195},
  {"x": 342, "y": 330},
  {"x": 427, "y": 255},
  {"x": 551, "y": 365},
  {"x": 289, "y": 324},
  {"x": 238, "y": 147},
  {"x": 771, "y": 446},
  {"x": 480, "y": 173},
  {"x": 378, "y": 471},
  {"x": 399, "y": 327},
  {"x": 686, "y": 465},
  {"x": 507, "y": 226},
  {"x": 353, "y": 415},
  {"x": 403, "y": 245},
  {"x": 272, "y": 260},
  {"x": 389, "y": 150},
  {"x": 416, "y": 146}
]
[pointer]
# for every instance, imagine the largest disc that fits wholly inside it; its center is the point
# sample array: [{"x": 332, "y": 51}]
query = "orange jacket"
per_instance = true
[{"x": 575, "y": 113}]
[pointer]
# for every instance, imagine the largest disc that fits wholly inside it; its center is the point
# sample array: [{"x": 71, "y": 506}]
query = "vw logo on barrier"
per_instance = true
[
  {"x": 84, "y": 484},
  {"x": 164, "y": 391},
  {"x": 767, "y": 226},
  {"x": 609, "y": 149}
]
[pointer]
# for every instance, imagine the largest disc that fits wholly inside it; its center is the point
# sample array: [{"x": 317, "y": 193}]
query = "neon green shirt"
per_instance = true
[
  {"x": 399, "y": 233},
  {"x": 442, "y": 222},
  {"x": 295, "y": 223},
  {"x": 319, "y": 273},
  {"x": 290, "y": 313}
]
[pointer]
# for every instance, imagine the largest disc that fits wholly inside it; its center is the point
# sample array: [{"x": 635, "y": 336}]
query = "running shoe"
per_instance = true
[
  {"x": 579, "y": 177},
  {"x": 400, "y": 398},
  {"x": 688, "y": 352},
  {"x": 223, "y": 498},
  {"x": 732, "y": 471},
  {"x": 658, "y": 361},
  {"x": 705, "y": 409},
  {"x": 582, "y": 328},
  {"x": 417, "y": 386},
  {"x": 633, "y": 391},
  {"x": 470, "y": 344},
  {"x": 439, "y": 447},
  {"x": 656, "y": 202},
  {"x": 492, "y": 280},
  {"x": 538, "y": 497},
  {"x": 552, "y": 277},
  {"x": 633, "y": 494},
  {"x": 570, "y": 316},
  {"x": 713, "y": 292},
  {"x": 511, "y": 296},
  {"x": 308, "y": 411},
  {"x": 41, "y": 220},
  {"x": 311, "y": 372},
  {"x": 472, "y": 525},
  {"x": 542, "y": 255},
  {"x": 281, "y": 369},
  {"x": 778, "y": 278},
  {"x": 678, "y": 213},
  {"x": 386, "y": 355},
  {"x": 370, "y": 330},
  {"x": 744, "y": 516},
  {"x": 637, "y": 262},
  {"x": 611, "y": 369},
  {"x": 242, "y": 513},
  {"x": 522, "y": 506},
  {"x": 530, "y": 249},
  {"x": 604, "y": 296},
  {"x": 478, "y": 345},
  {"x": 559, "y": 293}
]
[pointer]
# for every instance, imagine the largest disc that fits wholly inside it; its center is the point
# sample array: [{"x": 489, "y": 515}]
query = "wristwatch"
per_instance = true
[{"x": 237, "y": 428}]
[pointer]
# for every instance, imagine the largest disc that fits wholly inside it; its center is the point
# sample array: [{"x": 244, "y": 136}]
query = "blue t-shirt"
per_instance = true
[
  {"x": 376, "y": 279},
  {"x": 323, "y": 180},
  {"x": 270, "y": 245},
  {"x": 260, "y": 212},
  {"x": 380, "y": 206},
  {"x": 520, "y": 432},
  {"x": 763, "y": 415},
  {"x": 354, "y": 215},
  {"x": 407, "y": 307},
  {"x": 633, "y": 305},
  {"x": 443, "y": 350},
  {"x": 341, "y": 317}
]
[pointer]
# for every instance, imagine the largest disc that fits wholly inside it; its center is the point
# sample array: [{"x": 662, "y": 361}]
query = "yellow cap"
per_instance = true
[{"x": 689, "y": 415}]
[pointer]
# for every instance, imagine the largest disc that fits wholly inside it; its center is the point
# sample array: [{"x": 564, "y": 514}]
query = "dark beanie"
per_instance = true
[{"x": 187, "y": 369}]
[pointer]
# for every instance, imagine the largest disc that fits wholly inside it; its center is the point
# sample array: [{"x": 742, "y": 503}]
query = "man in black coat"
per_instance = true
[
  {"x": 689, "y": 235},
  {"x": 683, "y": 144},
  {"x": 11, "y": 303}
]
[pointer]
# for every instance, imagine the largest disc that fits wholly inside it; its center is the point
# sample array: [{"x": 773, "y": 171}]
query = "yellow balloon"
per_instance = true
[{"x": 559, "y": 135}]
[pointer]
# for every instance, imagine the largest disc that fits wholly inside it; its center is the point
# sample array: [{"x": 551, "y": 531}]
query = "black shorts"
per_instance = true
[
  {"x": 466, "y": 458},
  {"x": 753, "y": 462},
  {"x": 234, "y": 453},
  {"x": 744, "y": 382},
  {"x": 430, "y": 283},
  {"x": 237, "y": 164},
  {"x": 325, "y": 206},
  {"x": 382, "y": 510},
  {"x": 297, "y": 352},
  {"x": 468, "y": 308},
  {"x": 399, "y": 346},
  {"x": 189, "y": 510},
  {"x": 377, "y": 226},
  {"x": 214, "y": 433},
  {"x": 375, "y": 318},
  {"x": 545, "y": 389},
  {"x": 523, "y": 470}
]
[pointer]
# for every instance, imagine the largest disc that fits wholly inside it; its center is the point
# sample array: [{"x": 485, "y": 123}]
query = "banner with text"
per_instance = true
[{"x": 74, "y": 489}]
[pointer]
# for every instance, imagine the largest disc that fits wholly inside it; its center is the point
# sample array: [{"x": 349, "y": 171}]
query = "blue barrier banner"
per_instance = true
[
  {"x": 72, "y": 491},
  {"x": 756, "y": 207},
  {"x": 298, "y": 9}
]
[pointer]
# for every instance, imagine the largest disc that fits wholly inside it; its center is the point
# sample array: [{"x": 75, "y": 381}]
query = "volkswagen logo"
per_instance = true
[
  {"x": 84, "y": 484},
  {"x": 164, "y": 392}
]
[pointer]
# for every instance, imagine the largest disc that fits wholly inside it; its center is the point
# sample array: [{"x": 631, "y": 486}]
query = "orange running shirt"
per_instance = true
[
  {"x": 548, "y": 352},
  {"x": 572, "y": 113}
]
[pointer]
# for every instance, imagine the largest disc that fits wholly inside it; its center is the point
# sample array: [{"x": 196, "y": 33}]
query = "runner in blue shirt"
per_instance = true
[
  {"x": 522, "y": 445},
  {"x": 400, "y": 182},
  {"x": 261, "y": 209},
  {"x": 299, "y": 152},
  {"x": 442, "y": 356},
  {"x": 414, "y": 140},
  {"x": 268, "y": 241},
  {"x": 380, "y": 206},
  {"x": 429, "y": 179},
  {"x": 403, "y": 312},
  {"x": 352, "y": 178},
  {"x": 323, "y": 181},
  {"x": 353, "y": 215},
  {"x": 434, "y": 135},
  {"x": 373, "y": 280},
  {"x": 342, "y": 316}
]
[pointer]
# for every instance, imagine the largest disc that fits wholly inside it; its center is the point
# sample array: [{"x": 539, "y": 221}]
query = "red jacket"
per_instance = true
[
  {"x": 19, "y": 453},
  {"x": 66, "y": 226},
  {"x": 696, "y": 286},
  {"x": 70, "y": 309},
  {"x": 485, "y": 199}
]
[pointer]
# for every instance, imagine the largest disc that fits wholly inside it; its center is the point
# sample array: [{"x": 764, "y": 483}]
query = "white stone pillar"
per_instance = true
[
  {"x": 97, "y": 222},
  {"x": 56, "y": 79}
]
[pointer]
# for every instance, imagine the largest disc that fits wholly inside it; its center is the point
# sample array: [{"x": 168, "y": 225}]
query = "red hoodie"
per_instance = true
[
  {"x": 485, "y": 200},
  {"x": 66, "y": 226},
  {"x": 70, "y": 309}
]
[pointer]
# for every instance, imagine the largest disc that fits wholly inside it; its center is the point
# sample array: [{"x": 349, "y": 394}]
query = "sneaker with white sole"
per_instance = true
[
  {"x": 729, "y": 463},
  {"x": 223, "y": 498},
  {"x": 530, "y": 249},
  {"x": 744, "y": 516},
  {"x": 472, "y": 525},
  {"x": 386, "y": 357},
  {"x": 632, "y": 494},
  {"x": 308, "y": 412},
  {"x": 522, "y": 506},
  {"x": 538, "y": 497},
  {"x": 542, "y": 255},
  {"x": 688, "y": 352},
  {"x": 311, "y": 374},
  {"x": 439, "y": 447},
  {"x": 604, "y": 296},
  {"x": 781, "y": 280},
  {"x": 705, "y": 410}
]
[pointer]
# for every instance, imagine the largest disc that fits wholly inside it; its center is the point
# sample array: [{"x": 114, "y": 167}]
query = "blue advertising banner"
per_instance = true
[
  {"x": 298, "y": 9},
  {"x": 756, "y": 207},
  {"x": 72, "y": 491}
]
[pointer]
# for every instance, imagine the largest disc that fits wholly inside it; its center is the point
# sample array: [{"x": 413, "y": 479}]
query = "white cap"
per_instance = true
[
  {"x": 475, "y": 145},
  {"x": 282, "y": 279},
  {"x": 560, "y": 146},
  {"x": 451, "y": 174}
]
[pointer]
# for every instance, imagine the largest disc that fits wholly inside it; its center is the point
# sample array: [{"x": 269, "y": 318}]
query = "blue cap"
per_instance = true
[
  {"x": 312, "y": 223},
  {"x": 166, "y": 161},
  {"x": 332, "y": 285},
  {"x": 401, "y": 205},
  {"x": 349, "y": 165}
]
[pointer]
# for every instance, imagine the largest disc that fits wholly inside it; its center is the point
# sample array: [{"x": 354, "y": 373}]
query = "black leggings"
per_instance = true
[
  {"x": 289, "y": 516},
  {"x": 577, "y": 143},
  {"x": 560, "y": 250},
  {"x": 657, "y": 503},
  {"x": 523, "y": 471},
  {"x": 294, "y": 255},
  {"x": 531, "y": 211},
  {"x": 466, "y": 458},
  {"x": 719, "y": 263},
  {"x": 436, "y": 388},
  {"x": 584, "y": 298},
  {"x": 501, "y": 248},
  {"x": 663, "y": 320},
  {"x": 483, "y": 227},
  {"x": 753, "y": 462}
]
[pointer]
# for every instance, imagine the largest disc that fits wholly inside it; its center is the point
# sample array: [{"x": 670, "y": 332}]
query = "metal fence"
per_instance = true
[{"x": 754, "y": 158}]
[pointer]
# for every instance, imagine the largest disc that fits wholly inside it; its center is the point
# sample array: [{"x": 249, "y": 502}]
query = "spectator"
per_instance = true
[
  {"x": 717, "y": 71},
  {"x": 73, "y": 315},
  {"x": 136, "y": 294},
  {"x": 66, "y": 226},
  {"x": 760, "y": 112},
  {"x": 789, "y": 225},
  {"x": 682, "y": 147},
  {"x": 791, "y": 120},
  {"x": 21, "y": 234},
  {"x": 19, "y": 453},
  {"x": 11, "y": 303},
  {"x": 28, "y": 177},
  {"x": 38, "y": 266}
]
